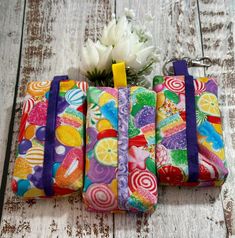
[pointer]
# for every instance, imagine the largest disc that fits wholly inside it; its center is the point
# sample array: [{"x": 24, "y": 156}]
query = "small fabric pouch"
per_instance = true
[
  {"x": 190, "y": 148},
  {"x": 120, "y": 172},
  {"x": 50, "y": 151}
]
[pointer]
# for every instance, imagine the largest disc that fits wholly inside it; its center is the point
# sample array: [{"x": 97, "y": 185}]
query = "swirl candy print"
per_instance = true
[
  {"x": 31, "y": 165},
  {"x": 172, "y": 150},
  {"x": 120, "y": 159}
]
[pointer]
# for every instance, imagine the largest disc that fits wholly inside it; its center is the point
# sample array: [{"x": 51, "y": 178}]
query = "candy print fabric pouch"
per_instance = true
[
  {"x": 50, "y": 152},
  {"x": 190, "y": 148},
  {"x": 120, "y": 169}
]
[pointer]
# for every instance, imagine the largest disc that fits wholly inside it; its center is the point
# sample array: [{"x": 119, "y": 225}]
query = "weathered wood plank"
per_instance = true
[
  {"x": 53, "y": 34},
  {"x": 181, "y": 212},
  {"x": 11, "y": 20},
  {"x": 218, "y": 34}
]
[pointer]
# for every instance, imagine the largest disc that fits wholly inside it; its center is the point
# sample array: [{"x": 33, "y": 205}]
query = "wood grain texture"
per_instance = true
[
  {"x": 218, "y": 34},
  {"x": 11, "y": 20},
  {"x": 181, "y": 212},
  {"x": 53, "y": 34}
]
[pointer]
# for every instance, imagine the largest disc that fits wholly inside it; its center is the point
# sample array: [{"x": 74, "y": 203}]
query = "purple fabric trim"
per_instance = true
[
  {"x": 122, "y": 174},
  {"x": 180, "y": 68},
  {"x": 49, "y": 146}
]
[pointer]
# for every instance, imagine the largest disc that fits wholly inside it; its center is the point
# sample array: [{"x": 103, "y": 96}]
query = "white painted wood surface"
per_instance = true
[
  {"x": 53, "y": 34},
  {"x": 218, "y": 35},
  {"x": 11, "y": 16}
]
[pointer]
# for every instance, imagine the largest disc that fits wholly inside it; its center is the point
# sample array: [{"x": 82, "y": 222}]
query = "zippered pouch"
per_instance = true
[
  {"x": 50, "y": 155},
  {"x": 190, "y": 147},
  {"x": 120, "y": 172}
]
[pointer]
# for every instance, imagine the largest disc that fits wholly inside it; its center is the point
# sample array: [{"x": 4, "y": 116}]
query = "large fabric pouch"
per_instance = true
[
  {"x": 50, "y": 150},
  {"x": 120, "y": 172},
  {"x": 190, "y": 147}
]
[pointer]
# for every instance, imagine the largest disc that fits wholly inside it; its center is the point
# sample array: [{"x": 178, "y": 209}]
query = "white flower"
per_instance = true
[
  {"x": 121, "y": 40},
  {"x": 134, "y": 53},
  {"x": 95, "y": 56},
  {"x": 114, "y": 32},
  {"x": 130, "y": 13}
]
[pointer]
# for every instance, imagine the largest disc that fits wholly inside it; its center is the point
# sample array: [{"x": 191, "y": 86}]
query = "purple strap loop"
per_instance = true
[
  {"x": 180, "y": 68},
  {"x": 49, "y": 146}
]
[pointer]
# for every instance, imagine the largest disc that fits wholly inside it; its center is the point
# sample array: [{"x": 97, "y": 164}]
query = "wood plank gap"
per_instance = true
[
  {"x": 200, "y": 29},
  {"x": 113, "y": 225},
  {"x": 11, "y": 126}
]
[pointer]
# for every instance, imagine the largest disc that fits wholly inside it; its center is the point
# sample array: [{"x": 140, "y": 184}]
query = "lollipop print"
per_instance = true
[
  {"x": 207, "y": 171},
  {"x": 94, "y": 114},
  {"x": 141, "y": 178},
  {"x": 82, "y": 85},
  {"x": 99, "y": 173},
  {"x": 38, "y": 88},
  {"x": 99, "y": 197},
  {"x": 199, "y": 87},
  {"x": 28, "y": 105},
  {"x": 175, "y": 84},
  {"x": 172, "y": 175}
]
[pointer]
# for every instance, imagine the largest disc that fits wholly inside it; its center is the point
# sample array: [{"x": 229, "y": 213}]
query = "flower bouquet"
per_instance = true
[{"x": 123, "y": 40}]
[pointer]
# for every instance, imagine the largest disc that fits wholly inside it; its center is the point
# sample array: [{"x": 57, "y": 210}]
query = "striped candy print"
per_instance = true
[
  {"x": 75, "y": 97},
  {"x": 35, "y": 156}
]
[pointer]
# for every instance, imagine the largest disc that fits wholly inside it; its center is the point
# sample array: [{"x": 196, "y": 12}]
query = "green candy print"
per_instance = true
[
  {"x": 196, "y": 100},
  {"x": 93, "y": 95},
  {"x": 132, "y": 130},
  {"x": 200, "y": 117},
  {"x": 146, "y": 99},
  {"x": 62, "y": 94},
  {"x": 158, "y": 136},
  {"x": 150, "y": 164},
  {"x": 135, "y": 109},
  {"x": 179, "y": 157},
  {"x": 172, "y": 96},
  {"x": 158, "y": 80}
]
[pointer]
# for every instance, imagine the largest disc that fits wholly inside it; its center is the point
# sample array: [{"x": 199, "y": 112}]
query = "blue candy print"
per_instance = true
[
  {"x": 110, "y": 112},
  {"x": 23, "y": 186},
  {"x": 206, "y": 129}
]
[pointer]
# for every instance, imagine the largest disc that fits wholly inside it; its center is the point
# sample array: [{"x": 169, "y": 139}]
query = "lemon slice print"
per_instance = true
[
  {"x": 106, "y": 151},
  {"x": 103, "y": 124},
  {"x": 208, "y": 104}
]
